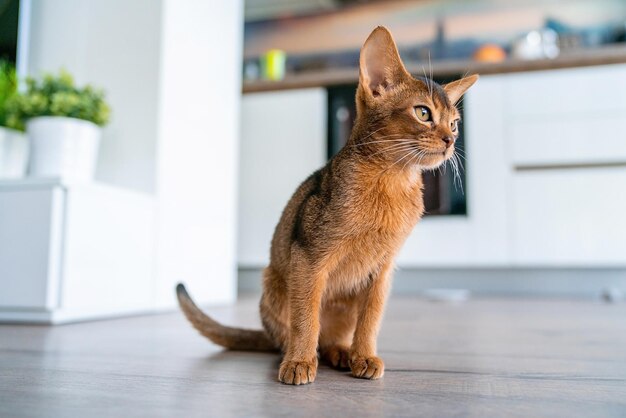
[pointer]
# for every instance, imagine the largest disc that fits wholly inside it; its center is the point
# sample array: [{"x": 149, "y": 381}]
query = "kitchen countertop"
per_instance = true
[{"x": 615, "y": 54}]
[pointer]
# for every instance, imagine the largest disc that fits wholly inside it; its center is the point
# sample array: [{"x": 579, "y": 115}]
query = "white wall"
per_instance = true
[
  {"x": 172, "y": 73},
  {"x": 197, "y": 148},
  {"x": 113, "y": 44}
]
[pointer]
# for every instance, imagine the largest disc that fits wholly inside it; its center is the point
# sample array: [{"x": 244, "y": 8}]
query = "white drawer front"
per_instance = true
[
  {"x": 570, "y": 217},
  {"x": 568, "y": 140},
  {"x": 588, "y": 92}
]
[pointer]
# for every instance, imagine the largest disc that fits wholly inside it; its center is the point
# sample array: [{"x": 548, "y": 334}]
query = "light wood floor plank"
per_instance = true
[{"x": 492, "y": 357}]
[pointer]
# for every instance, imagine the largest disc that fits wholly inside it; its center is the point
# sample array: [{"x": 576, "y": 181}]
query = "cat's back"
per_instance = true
[{"x": 290, "y": 224}]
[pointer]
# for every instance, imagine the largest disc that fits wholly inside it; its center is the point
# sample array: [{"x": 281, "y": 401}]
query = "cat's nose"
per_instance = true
[{"x": 448, "y": 140}]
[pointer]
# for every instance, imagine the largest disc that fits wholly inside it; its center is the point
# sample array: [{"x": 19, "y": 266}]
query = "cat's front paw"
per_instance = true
[
  {"x": 367, "y": 367},
  {"x": 297, "y": 372},
  {"x": 337, "y": 356}
]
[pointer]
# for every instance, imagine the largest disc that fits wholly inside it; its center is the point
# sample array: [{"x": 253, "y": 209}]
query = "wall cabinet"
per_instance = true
[{"x": 283, "y": 140}]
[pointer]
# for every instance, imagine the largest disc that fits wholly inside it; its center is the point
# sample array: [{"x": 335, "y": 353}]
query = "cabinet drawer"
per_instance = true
[
  {"x": 570, "y": 217},
  {"x": 567, "y": 140},
  {"x": 587, "y": 92}
]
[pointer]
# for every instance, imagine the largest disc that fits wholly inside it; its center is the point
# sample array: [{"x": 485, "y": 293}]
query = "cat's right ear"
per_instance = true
[
  {"x": 380, "y": 66},
  {"x": 456, "y": 89}
]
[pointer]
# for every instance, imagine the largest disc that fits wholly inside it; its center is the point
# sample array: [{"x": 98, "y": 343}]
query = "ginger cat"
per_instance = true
[{"x": 333, "y": 250}]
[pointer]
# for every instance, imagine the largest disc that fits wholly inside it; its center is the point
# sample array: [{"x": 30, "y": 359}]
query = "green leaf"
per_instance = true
[{"x": 56, "y": 95}]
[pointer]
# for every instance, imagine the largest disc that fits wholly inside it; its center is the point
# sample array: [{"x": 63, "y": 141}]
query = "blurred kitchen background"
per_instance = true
[{"x": 219, "y": 109}]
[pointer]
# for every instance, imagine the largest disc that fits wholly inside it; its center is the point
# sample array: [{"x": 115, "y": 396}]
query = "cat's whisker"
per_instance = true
[
  {"x": 379, "y": 141},
  {"x": 421, "y": 156},
  {"x": 457, "y": 175},
  {"x": 428, "y": 81},
  {"x": 460, "y": 162},
  {"x": 460, "y": 154},
  {"x": 430, "y": 66},
  {"x": 381, "y": 137},
  {"x": 453, "y": 171},
  {"x": 399, "y": 160},
  {"x": 372, "y": 133},
  {"x": 395, "y": 148},
  {"x": 398, "y": 143},
  {"x": 416, "y": 158},
  {"x": 456, "y": 155},
  {"x": 413, "y": 153}
]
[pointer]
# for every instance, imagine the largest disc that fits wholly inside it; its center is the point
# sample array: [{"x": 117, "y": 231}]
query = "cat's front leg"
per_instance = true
[
  {"x": 363, "y": 360},
  {"x": 306, "y": 287}
]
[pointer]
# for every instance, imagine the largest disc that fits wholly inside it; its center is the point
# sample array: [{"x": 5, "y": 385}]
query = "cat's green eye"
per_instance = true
[
  {"x": 454, "y": 125},
  {"x": 423, "y": 113}
]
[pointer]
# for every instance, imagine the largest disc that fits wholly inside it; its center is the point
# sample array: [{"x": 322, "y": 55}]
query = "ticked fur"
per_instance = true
[{"x": 333, "y": 249}]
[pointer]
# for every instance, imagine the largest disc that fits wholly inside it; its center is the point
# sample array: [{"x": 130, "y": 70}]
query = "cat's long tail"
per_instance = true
[{"x": 231, "y": 338}]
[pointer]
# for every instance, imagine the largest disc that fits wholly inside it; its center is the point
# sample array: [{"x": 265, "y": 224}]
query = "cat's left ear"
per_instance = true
[{"x": 456, "y": 89}]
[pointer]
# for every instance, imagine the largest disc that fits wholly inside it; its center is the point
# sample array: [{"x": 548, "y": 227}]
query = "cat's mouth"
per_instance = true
[
  {"x": 445, "y": 154},
  {"x": 433, "y": 159}
]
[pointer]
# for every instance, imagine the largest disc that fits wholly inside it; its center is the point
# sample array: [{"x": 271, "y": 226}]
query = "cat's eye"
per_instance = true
[
  {"x": 454, "y": 125},
  {"x": 423, "y": 113}
]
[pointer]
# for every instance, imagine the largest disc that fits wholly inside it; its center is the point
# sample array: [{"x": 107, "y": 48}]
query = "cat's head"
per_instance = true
[{"x": 402, "y": 120}]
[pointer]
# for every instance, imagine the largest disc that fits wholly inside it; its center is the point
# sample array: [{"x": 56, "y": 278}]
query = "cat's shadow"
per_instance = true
[
  {"x": 241, "y": 356},
  {"x": 268, "y": 361}
]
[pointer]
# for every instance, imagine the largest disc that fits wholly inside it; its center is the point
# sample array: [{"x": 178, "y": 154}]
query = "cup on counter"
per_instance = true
[
  {"x": 536, "y": 44},
  {"x": 273, "y": 64}
]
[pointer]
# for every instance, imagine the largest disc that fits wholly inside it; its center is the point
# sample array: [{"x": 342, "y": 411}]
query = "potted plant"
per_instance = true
[
  {"x": 13, "y": 143},
  {"x": 63, "y": 123}
]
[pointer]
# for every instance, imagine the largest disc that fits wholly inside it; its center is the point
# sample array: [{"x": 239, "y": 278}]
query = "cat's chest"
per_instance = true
[
  {"x": 380, "y": 225},
  {"x": 391, "y": 209}
]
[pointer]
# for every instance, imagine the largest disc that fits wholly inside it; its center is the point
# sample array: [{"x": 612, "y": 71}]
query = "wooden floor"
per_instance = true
[{"x": 483, "y": 358}]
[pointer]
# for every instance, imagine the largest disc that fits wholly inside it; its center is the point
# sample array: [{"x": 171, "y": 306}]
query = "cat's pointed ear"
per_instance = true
[
  {"x": 456, "y": 89},
  {"x": 380, "y": 66}
]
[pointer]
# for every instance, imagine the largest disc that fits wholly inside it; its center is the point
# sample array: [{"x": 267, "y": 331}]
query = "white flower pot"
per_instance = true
[
  {"x": 13, "y": 153},
  {"x": 66, "y": 148}
]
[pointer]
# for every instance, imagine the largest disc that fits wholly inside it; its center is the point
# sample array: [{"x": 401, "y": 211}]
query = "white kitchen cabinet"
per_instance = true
[
  {"x": 568, "y": 156},
  {"x": 283, "y": 140},
  {"x": 567, "y": 117},
  {"x": 585, "y": 91},
  {"x": 30, "y": 247},
  {"x": 74, "y": 253},
  {"x": 567, "y": 140},
  {"x": 570, "y": 217}
]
